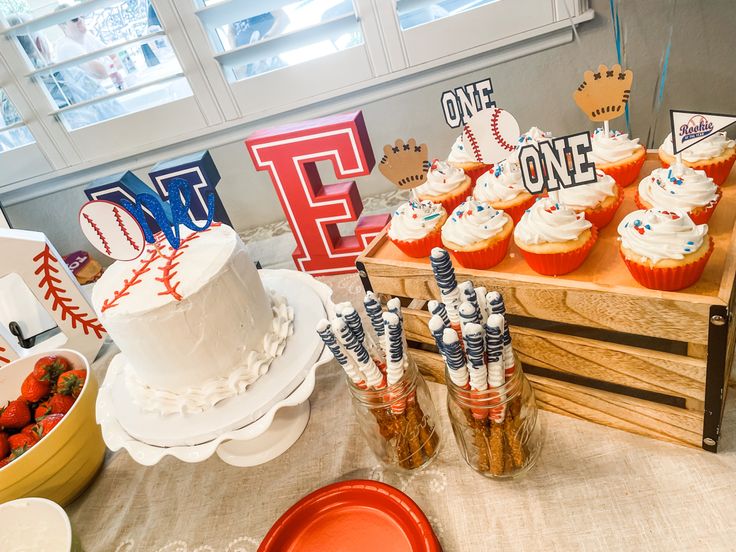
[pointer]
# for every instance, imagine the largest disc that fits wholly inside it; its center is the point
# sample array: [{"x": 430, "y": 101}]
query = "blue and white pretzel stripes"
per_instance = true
[
  {"x": 494, "y": 349},
  {"x": 455, "y": 358},
  {"x": 467, "y": 294},
  {"x": 375, "y": 313},
  {"x": 437, "y": 328},
  {"x": 394, "y": 305},
  {"x": 325, "y": 332},
  {"x": 438, "y": 309},
  {"x": 480, "y": 294},
  {"x": 444, "y": 274},
  {"x": 359, "y": 354},
  {"x": 395, "y": 359},
  {"x": 468, "y": 314},
  {"x": 497, "y": 306},
  {"x": 475, "y": 350},
  {"x": 352, "y": 318}
]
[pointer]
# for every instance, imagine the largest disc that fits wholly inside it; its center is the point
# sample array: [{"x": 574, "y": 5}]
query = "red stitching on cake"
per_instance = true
[
  {"x": 124, "y": 230},
  {"x": 127, "y": 284},
  {"x": 60, "y": 300},
  {"x": 473, "y": 143},
  {"x": 98, "y": 232},
  {"x": 496, "y": 134}
]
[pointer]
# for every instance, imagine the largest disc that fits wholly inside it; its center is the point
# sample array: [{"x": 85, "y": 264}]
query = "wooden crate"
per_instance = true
[{"x": 595, "y": 344}]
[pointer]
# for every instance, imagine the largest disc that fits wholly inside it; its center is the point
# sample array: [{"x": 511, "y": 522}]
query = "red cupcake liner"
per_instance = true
[
  {"x": 625, "y": 173},
  {"x": 483, "y": 258},
  {"x": 717, "y": 171},
  {"x": 668, "y": 279},
  {"x": 699, "y": 216},
  {"x": 601, "y": 217},
  {"x": 423, "y": 246},
  {"x": 556, "y": 264},
  {"x": 474, "y": 173},
  {"x": 517, "y": 211}
]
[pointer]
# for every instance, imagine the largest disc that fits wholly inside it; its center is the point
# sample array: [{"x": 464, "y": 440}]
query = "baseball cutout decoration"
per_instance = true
[
  {"x": 313, "y": 209},
  {"x": 42, "y": 269},
  {"x": 603, "y": 95},
  {"x": 405, "y": 165},
  {"x": 112, "y": 230},
  {"x": 491, "y": 135}
]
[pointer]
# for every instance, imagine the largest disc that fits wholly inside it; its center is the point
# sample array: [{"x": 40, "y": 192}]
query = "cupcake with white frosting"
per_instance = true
[
  {"x": 461, "y": 158},
  {"x": 617, "y": 155},
  {"x": 715, "y": 155},
  {"x": 599, "y": 200},
  {"x": 664, "y": 249},
  {"x": 477, "y": 234},
  {"x": 445, "y": 184},
  {"x": 679, "y": 187},
  {"x": 503, "y": 188},
  {"x": 553, "y": 238},
  {"x": 416, "y": 227}
]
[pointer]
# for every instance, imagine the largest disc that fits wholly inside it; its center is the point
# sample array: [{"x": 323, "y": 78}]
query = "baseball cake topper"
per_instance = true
[
  {"x": 121, "y": 232},
  {"x": 491, "y": 135},
  {"x": 691, "y": 127},
  {"x": 603, "y": 95},
  {"x": 405, "y": 164},
  {"x": 557, "y": 163}
]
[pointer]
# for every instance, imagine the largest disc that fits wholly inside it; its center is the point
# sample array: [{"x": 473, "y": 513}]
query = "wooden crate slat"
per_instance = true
[
  {"x": 662, "y": 422},
  {"x": 665, "y": 373}
]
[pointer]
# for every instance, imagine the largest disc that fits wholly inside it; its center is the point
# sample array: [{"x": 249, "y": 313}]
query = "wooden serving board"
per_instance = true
[{"x": 596, "y": 336}]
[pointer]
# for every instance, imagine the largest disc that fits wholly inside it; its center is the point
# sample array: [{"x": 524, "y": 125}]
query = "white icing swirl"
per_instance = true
[
  {"x": 659, "y": 234},
  {"x": 441, "y": 179},
  {"x": 502, "y": 183},
  {"x": 678, "y": 186},
  {"x": 611, "y": 147},
  {"x": 458, "y": 153},
  {"x": 534, "y": 135},
  {"x": 713, "y": 146},
  {"x": 582, "y": 197},
  {"x": 550, "y": 222},
  {"x": 200, "y": 398},
  {"x": 472, "y": 222},
  {"x": 414, "y": 220}
]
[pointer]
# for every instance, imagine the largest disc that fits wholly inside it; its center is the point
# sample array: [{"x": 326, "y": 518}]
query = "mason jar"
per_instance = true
[
  {"x": 497, "y": 431},
  {"x": 399, "y": 422}
]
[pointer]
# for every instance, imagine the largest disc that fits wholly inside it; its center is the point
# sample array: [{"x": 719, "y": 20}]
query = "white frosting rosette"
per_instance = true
[
  {"x": 713, "y": 146},
  {"x": 678, "y": 187},
  {"x": 458, "y": 153},
  {"x": 550, "y": 222},
  {"x": 658, "y": 234},
  {"x": 473, "y": 222},
  {"x": 501, "y": 184},
  {"x": 442, "y": 178},
  {"x": 413, "y": 220},
  {"x": 586, "y": 196},
  {"x": 611, "y": 147}
]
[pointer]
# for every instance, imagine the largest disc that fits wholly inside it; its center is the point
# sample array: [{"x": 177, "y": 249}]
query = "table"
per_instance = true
[{"x": 594, "y": 488}]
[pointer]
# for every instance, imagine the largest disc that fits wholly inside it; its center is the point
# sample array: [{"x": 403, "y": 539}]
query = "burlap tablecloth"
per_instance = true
[{"x": 594, "y": 488}]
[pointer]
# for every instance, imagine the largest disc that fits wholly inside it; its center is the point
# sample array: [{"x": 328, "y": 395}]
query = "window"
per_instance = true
[
  {"x": 98, "y": 64},
  {"x": 13, "y": 132},
  {"x": 413, "y": 13}
]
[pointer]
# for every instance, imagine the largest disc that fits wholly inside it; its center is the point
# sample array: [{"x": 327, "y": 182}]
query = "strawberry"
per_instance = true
[
  {"x": 60, "y": 404},
  {"x": 43, "y": 409},
  {"x": 71, "y": 383},
  {"x": 4, "y": 445},
  {"x": 15, "y": 415},
  {"x": 43, "y": 427},
  {"x": 20, "y": 443},
  {"x": 30, "y": 431},
  {"x": 49, "y": 368},
  {"x": 5, "y": 461},
  {"x": 34, "y": 390}
]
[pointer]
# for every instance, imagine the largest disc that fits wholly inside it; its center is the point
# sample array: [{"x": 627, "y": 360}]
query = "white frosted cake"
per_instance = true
[{"x": 195, "y": 324}]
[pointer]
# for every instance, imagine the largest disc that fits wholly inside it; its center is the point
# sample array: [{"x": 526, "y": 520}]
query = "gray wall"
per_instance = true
[{"x": 537, "y": 89}]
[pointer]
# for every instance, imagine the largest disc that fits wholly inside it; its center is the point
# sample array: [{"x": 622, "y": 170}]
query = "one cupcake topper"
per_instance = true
[
  {"x": 690, "y": 127},
  {"x": 405, "y": 165}
]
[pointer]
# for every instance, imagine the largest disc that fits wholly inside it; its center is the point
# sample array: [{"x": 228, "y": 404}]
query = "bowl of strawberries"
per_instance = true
[{"x": 50, "y": 443}]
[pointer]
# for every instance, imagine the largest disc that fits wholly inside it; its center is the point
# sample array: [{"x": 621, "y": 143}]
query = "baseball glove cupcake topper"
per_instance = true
[
  {"x": 603, "y": 95},
  {"x": 405, "y": 164}
]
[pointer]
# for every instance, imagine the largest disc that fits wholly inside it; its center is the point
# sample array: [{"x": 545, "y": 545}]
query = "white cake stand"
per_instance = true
[{"x": 272, "y": 413}]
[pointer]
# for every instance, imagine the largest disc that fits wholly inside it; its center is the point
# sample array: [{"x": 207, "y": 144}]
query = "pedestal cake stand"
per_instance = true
[{"x": 246, "y": 430}]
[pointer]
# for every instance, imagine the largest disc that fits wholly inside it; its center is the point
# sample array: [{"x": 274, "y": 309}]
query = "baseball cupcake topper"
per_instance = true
[{"x": 491, "y": 135}]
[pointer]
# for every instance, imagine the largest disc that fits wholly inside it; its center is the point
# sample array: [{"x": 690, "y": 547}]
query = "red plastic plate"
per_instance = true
[{"x": 352, "y": 516}]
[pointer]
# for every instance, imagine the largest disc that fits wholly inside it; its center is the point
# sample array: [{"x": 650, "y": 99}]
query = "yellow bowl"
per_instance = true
[{"x": 62, "y": 464}]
